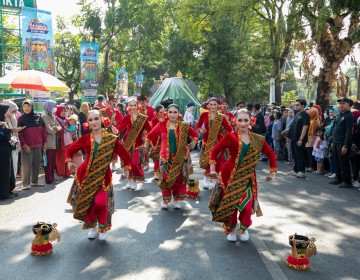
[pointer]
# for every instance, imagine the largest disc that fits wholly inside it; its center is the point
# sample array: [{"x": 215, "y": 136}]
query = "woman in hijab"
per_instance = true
[
  {"x": 63, "y": 141},
  {"x": 33, "y": 141},
  {"x": 12, "y": 123},
  {"x": 314, "y": 124},
  {"x": 52, "y": 127},
  {"x": 7, "y": 177},
  {"x": 84, "y": 110}
]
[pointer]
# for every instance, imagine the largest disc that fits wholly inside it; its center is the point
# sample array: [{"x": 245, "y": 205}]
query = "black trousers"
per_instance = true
[
  {"x": 298, "y": 154},
  {"x": 355, "y": 164},
  {"x": 342, "y": 164}
]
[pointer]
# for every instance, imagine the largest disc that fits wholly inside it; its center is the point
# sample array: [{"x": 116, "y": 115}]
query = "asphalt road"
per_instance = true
[{"x": 148, "y": 243}]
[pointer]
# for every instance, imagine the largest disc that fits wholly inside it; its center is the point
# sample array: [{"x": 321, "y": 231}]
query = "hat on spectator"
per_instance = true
[
  {"x": 100, "y": 97},
  {"x": 73, "y": 117},
  {"x": 190, "y": 104},
  {"x": 345, "y": 99}
]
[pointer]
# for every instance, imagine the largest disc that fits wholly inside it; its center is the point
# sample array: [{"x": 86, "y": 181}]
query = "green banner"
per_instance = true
[{"x": 17, "y": 3}]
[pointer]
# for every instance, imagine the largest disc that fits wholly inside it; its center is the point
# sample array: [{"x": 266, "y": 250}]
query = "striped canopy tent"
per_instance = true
[{"x": 177, "y": 90}]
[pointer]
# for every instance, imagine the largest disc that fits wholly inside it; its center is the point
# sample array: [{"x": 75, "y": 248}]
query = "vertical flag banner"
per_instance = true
[
  {"x": 37, "y": 40},
  {"x": 122, "y": 82},
  {"x": 139, "y": 80},
  {"x": 89, "y": 55}
]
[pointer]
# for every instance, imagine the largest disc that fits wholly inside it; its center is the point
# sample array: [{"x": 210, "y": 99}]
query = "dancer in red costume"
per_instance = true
[
  {"x": 149, "y": 111},
  {"x": 146, "y": 109},
  {"x": 92, "y": 194},
  {"x": 136, "y": 124},
  {"x": 115, "y": 118},
  {"x": 174, "y": 151},
  {"x": 210, "y": 125},
  {"x": 155, "y": 152},
  {"x": 225, "y": 111},
  {"x": 113, "y": 113},
  {"x": 237, "y": 178}
]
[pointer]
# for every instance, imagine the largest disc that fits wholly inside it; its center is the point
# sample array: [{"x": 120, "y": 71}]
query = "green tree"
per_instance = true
[
  {"x": 335, "y": 31},
  {"x": 129, "y": 33},
  {"x": 67, "y": 56},
  {"x": 289, "y": 97},
  {"x": 10, "y": 48},
  {"x": 282, "y": 30},
  {"x": 218, "y": 45}
]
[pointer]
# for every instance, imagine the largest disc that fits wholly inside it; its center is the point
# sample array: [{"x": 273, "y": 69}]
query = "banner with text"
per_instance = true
[
  {"x": 139, "y": 80},
  {"x": 89, "y": 55},
  {"x": 122, "y": 82},
  {"x": 39, "y": 98},
  {"x": 37, "y": 40},
  {"x": 16, "y": 4}
]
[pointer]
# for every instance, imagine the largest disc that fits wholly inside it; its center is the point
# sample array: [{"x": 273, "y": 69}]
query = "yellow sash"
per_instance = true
[
  {"x": 134, "y": 131},
  {"x": 178, "y": 161},
  {"x": 239, "y": 179},
  {"x": 94, "y": 177},
  {"x": 212, "y": 139}
]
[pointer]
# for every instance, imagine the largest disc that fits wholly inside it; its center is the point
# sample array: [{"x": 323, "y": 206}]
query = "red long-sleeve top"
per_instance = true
[
  {"x": 230, "y": 117},
  {"x": 117, "y": 120},
  {"x": 127, "y": 123},
  {"x": 155, "y": 120},
  {"x": 231, "y": 141},
  {"x": 149, "y": 111},
  {"x": 84, "y": 143},
  {"x": 33, "y": 137},
  {"x": 205, "y": 120},
  {"x": 161, "y": 130}
]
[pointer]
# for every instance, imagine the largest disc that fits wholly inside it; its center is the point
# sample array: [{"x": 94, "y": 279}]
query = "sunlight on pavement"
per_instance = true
[
  {"x": 134, "y": 221},
  {"x": 171, "y": 245},
  {"x": 96, "y": 264},
  {"x": 157, "y": 273}
]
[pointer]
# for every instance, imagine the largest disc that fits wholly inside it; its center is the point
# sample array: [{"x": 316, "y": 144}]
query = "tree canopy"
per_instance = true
[{"x": 228, "y": 48}]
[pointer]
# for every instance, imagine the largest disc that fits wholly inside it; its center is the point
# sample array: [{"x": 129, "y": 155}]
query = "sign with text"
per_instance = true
[
  {"x": 38, "y": 41},
  {"x": 89, "y": 54},
  {"x": 39, "y": 98},
  {"x": 17, "y": 3},
  {"x": 122, "y": 82},
  {"x": 139, "y": 80}
]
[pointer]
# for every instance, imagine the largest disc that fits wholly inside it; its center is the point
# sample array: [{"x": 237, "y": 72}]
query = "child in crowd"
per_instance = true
[
  {"x": 319, "y": 150},
  {"x": 72, "y": 127}
]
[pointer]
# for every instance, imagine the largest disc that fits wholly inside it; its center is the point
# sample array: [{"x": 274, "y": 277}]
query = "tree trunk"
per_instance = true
[
  {"x": 71, "y": 96},
  {"x": 333, "y": 51},
  {"x": 277, "y": 76},
  {"x": 323, "y": 90}
]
